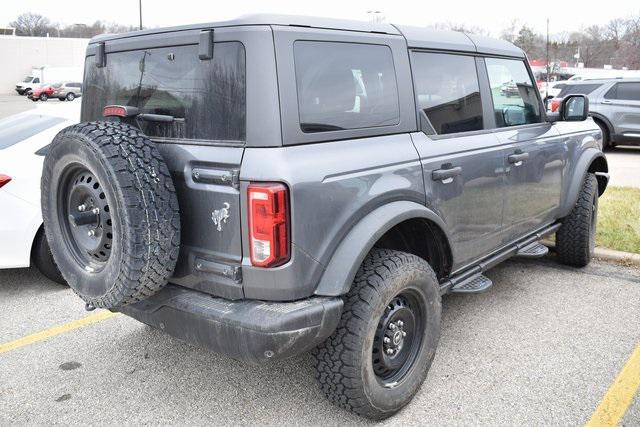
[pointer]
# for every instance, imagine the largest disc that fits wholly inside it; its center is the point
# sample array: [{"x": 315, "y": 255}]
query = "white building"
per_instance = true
[{"x": 20, "y": 54}]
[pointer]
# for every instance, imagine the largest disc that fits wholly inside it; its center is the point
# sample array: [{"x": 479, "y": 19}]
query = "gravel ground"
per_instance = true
[{"x": 541, "y": 347}]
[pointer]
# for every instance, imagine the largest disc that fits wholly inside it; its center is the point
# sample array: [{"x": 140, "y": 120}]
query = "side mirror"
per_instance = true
[{"x": 574, "y": 108}]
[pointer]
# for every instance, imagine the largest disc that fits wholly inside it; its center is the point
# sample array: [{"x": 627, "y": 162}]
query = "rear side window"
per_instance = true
[
  {"x": 206, "y": 98},
  {"x": 579, "y": 89},
  {"x": 447, "y": 93},
  {"x": 515, "y": 99},
  {"x": 345, "y": 86},
  {"x": 625, "y": 91}
]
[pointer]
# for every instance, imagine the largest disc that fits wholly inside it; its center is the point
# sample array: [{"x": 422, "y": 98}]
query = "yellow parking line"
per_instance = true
[
  {"x": 56, "y": 330},
  {"x": 616, "y": 401}
]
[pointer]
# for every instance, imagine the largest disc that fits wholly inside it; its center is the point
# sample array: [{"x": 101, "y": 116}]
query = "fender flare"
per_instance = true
[
  {"x": 354, "y": 247},
  {"x": 607, "y": 123},
  {"x": 584, "y": 164}
]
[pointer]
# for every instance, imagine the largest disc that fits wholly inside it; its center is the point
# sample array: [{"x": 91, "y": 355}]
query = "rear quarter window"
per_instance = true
[
  {"x": 206, "y": 98},
  {"x": 345, "y": 86}
]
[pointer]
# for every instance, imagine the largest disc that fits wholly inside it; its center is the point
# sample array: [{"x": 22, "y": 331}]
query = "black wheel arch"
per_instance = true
[
  {"x": 594, "y": 161},
  {"x": 398, "y": 225},
  {"x": 599, "y": 118}
]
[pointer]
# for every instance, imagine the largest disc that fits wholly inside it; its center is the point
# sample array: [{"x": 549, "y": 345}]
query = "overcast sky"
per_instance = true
[{"x": 488, "y": 14}]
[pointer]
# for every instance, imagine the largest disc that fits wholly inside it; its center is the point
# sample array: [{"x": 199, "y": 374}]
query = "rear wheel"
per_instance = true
[
  {"x": 70, "y": 96},
  {"x": 110, "y": 213},
  {"x": 44, "y": 97},
  {"x": 378, "y": 357},
  {"x": 575, "y": 240}
]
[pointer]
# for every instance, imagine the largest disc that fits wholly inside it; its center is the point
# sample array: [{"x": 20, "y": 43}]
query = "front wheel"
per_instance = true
[
  {"x": 71, "y": 97},
  {"x": 379, "y": 355},
  {"x": 575, "y": 240},
  {"x": 44, "y": 97}
]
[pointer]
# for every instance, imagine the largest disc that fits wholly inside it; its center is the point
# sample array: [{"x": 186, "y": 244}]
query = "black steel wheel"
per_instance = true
[
  {"x": 398, "y": 337},
  {"x": 86, "y": 218},
  {"x": 380, "y": 353}
]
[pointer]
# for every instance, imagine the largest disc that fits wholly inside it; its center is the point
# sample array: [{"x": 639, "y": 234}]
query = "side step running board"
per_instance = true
[
  {"x": 473, "y": 285},
  {"x": 471, "y": 279},
  {"x": 534, "y": 250}
]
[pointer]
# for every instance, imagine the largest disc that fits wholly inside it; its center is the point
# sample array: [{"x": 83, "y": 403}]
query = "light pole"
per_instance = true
[
  {"x": 140, "y": 9},
  {"x": 548, "y": 65}
]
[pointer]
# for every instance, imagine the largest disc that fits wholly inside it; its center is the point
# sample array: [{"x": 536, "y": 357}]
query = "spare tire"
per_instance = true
[{"x": 110, "y": 212}]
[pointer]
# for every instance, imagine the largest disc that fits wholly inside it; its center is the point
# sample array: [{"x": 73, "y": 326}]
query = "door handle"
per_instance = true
[
  {"x": 445, "y": 173},
  {"x": 518, "y": 158},
  {"x": 606, "y": 101}
]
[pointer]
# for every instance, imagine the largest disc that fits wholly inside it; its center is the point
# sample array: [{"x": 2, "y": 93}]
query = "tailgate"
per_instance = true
[{"x": 206, "y": 181}]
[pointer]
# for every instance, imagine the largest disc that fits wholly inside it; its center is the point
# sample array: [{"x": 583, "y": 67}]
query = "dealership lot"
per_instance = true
[{"x": 542, "y": 346}]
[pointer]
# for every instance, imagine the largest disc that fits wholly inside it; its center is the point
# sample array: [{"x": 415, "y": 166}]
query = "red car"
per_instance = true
[{"x": 43, "y": 93}]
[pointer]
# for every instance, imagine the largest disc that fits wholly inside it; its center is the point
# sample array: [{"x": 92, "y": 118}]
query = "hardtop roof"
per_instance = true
[{"x": 416, "y": 37}]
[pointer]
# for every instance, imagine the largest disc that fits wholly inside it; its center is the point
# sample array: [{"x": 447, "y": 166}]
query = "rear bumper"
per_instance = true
[{"x": 248, "y": 330}]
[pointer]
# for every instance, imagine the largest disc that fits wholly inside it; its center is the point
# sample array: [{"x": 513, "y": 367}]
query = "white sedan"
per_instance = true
[{"x": 24, "y": 139}]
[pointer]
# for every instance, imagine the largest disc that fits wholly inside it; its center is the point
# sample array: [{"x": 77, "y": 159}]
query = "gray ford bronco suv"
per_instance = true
[{"x": 275, "y": 184}]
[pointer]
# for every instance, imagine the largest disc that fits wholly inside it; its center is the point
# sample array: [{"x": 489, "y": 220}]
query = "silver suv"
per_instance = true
[
  {"x": 68, "y": 91},
  {"x": 614, "y": 105}
]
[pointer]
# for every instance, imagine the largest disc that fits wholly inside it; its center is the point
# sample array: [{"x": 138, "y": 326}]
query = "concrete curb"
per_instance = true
[{"x": 607, "y": 254}]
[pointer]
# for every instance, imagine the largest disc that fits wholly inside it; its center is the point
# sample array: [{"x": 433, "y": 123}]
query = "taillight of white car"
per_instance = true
[
  {"x": 268, "y": 224},
  {"x": 4, "y": 180}
]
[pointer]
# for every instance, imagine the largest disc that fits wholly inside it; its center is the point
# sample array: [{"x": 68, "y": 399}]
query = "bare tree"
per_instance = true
[{"x": 32, "y": 24}]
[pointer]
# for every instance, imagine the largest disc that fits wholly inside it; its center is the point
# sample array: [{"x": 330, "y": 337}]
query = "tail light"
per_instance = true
[
  {"x": 555, "y": 104},
  {"x": 119, "y": 111},
  {"x": 4, "y": 180},
  {"x": 268, "y": 224}
]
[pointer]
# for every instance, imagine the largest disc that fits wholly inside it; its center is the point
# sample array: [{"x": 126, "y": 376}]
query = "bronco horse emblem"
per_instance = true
[{"x": 220, "y": 216}]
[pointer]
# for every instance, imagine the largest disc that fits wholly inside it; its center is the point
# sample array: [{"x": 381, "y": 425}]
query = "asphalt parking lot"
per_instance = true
[{"x": 541, "y": 347}]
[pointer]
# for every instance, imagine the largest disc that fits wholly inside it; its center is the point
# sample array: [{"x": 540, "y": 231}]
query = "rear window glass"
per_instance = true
[
  {"x": 206, "y": 98},
  {"x": 581, "y": 89},
  {"x": 345, "y": 86}
]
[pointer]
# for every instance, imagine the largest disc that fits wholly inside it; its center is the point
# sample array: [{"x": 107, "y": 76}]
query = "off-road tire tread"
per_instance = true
[
  {"x": 336, "y": 360},
  {"x": 572, "y": 239},
  {"x": 151, "y": 224}
]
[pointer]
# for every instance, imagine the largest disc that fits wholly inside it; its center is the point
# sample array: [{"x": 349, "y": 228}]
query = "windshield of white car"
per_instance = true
[{"x": 27, "y": 79}]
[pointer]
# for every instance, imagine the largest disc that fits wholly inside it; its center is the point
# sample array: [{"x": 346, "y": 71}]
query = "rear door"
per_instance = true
[
  {"x": 462, "y": 159},
  {"x": 621, "y": 105},
  {"x": 535, "y": 153}
]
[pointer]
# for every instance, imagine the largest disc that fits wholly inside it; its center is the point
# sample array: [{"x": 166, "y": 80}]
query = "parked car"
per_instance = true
[
  {"x": 509, "y": 89},
  {"x": 43, "y": 93},
  {"x": 24, "y": 139},
  {"x": 68, "y": 91},
  {"x": 28, "y": 84},
  {"x": 313, "y": 184},
  {"x": 614, "y": 105},
  {"x": 47, "y": 75}
]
